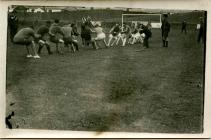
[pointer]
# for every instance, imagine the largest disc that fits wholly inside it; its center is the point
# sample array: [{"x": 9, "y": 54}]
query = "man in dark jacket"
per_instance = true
[
  {"x": 147, "y": 33},
  {"x": 13, "y": 24},
  {"x": 184, "y": 25},
  {"x": 202, "y": 32},
  {"x": 165, "y": 27}
]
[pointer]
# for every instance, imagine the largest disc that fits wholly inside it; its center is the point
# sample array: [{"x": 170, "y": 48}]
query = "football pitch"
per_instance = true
[{"x": 121, "y": 89}]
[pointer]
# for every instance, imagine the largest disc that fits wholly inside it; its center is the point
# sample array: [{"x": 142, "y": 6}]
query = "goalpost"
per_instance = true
[{"x": 144, "y": 19}]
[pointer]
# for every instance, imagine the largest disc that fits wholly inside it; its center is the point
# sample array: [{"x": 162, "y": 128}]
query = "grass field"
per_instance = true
[{"x": 116, "y": 89}]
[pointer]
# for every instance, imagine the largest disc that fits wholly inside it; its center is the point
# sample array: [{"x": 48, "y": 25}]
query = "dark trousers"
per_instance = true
[
  {"x": 200, "y": 36},
  {"x": 13, "y": 31},
  {"x": 146, "y": 42},
  {"x": 75, "y": 45},
  {"x": 184, "y": 30},
  {"x": 40, "y": 49}
]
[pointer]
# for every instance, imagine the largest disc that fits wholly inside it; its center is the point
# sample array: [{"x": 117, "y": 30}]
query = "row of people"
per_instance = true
[
  {"x": 61, "y": 36},
  {"x": 134, "y": 34},
  {"x": 67, "y": 36}
]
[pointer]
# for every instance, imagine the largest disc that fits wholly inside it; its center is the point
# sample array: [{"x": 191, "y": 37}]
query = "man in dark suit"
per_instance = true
[
  {"x": 184, "y": 25},
  {"x": 13, "y": 24},
  {"x": 202, "y": 31},
  {"x": 165, "y": 30}
]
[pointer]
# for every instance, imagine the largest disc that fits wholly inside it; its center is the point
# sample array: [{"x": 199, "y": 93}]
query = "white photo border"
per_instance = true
[{"x": 148, "y": 4}]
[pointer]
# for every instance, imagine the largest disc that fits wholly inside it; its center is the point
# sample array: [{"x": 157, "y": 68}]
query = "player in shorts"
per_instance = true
[
  {"x": 132, "y": 33},
  {"x": 56, "y": 35},
  {"x": 114, "y": 34},
  {"x": 125, "y": 34},
  {"x": 26, "y": 37},
  {"x": 136, "y": 36},
  {"x": 75, "y": 34},
  {"x": 43, "y": 39},
  {"x": 68, "y": 38},
  {"x": 100, "y": 35}
]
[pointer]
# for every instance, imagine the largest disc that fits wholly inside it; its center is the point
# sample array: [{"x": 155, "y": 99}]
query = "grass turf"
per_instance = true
[{"x": 127, "y": 89}]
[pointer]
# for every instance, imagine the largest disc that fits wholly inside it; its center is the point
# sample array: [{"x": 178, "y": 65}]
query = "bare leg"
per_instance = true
[
  {"x": 109, "y": 41},
  {"x": 124, "y": 41},
  {"x": 117, "y": 41},
  {"x": 93, "y": 44},
  {"x": 96, "y": 44},
  {"x": 34, "y": 50},
  {"x": 114, "y": 42},
  {"x": 72, "y": 47},
  {"x": 27, "y": 49},
  {"x": 130, "y": 40},
  {"x": 104, "y": 42},
  {"x": 61, "y": 49},
  {"x": 133, "y": 40}
]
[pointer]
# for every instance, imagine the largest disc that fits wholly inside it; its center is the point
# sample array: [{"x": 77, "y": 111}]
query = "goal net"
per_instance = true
[{"x": 154, "y": 19}]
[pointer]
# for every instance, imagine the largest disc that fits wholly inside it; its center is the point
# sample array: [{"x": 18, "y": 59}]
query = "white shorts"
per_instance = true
[
  {"x": 142, "y": 38},
  {"x": 123, "y": 35},
  {"x": 136, "y": 36},
  {"x": 41, "y": 42},
  {"x": 142, "y": 35},
  {"x": 100, "y": 36},
  {"x": 61, "y": 41}
]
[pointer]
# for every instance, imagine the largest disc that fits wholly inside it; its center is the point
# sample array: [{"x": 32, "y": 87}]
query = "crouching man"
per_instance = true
[
  {"x": 114, "y": 34},
  {"x": 26, "y": 37},
  {"x": 43, "y": 37},
  {"x": 69, "y": 41},
  {"x": 56, "y": 36}
]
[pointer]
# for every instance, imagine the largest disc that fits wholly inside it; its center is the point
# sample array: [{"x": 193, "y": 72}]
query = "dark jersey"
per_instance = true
[
  {"x": 126, "y": 30},
  {"x": 202, "y": 26},
  {"x": 75, "y": 31},
  {"x": 43, "y": 30},
  {"x": 55, "y": 29},
  {"x": 184, "y": 24},
  {"x": 115, "y": 30},
  {"x": 13, "y": 21},
  {"x": 165, "y": 27},
  {"x": 135, "y": 31},
  {"x": 86, "y": 33},
  {"x": 146, "y": 31}
]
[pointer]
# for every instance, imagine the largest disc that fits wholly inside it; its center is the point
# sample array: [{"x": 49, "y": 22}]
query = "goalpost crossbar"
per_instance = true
[{"x": 154, "y": 25}]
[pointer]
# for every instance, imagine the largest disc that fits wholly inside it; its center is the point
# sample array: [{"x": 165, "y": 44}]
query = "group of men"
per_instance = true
[
  {"x": 67, "y": 36},
  {"x": 116, "y": 34},
  {"x": 45, "y": 35}
]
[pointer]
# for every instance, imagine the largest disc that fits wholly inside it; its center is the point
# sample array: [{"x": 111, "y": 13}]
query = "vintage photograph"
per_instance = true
[{"x": 105, "y": 69}]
